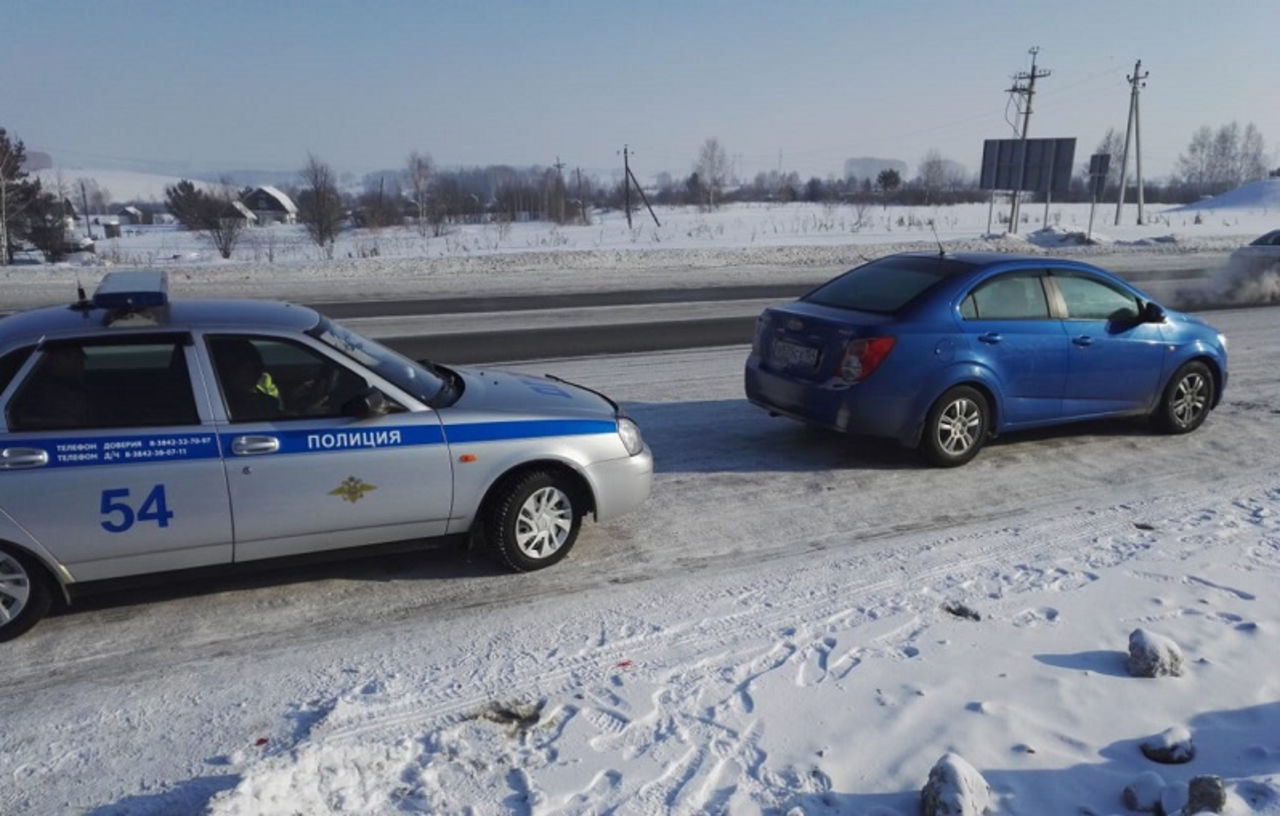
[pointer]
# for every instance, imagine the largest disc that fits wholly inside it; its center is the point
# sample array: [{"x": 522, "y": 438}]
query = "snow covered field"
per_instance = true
[
  {"x": 741, "y": 243},
  {"x": 768, "y": 635}
]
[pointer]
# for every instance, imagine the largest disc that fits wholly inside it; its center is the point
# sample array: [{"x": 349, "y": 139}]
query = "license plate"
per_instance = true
[{"x": 793, "y": 355}]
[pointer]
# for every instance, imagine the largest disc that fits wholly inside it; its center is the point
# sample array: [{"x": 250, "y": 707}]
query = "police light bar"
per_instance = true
[{"x": 132, "y": 290}]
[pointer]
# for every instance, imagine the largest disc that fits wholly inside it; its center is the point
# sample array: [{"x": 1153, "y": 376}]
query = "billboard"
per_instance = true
[
  {"x": 1045, "y": 166},
  {"x": 1099, "y": 166}
]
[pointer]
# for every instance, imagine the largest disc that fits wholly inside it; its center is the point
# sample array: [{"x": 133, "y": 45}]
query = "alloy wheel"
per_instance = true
[
  {"x": 958, "y": 426},
  {"x": 1190, "y": 398},
  {"x": 544, "y": 523},
  {"x": 15, "y": 588}
]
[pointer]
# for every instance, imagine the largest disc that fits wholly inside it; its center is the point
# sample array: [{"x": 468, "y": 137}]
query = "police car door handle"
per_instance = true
[
  {"x": 251, "y": 445},
  {"x": 23, "y": 458}
]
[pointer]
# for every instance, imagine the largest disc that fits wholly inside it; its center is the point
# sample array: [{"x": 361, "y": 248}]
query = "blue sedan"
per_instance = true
[{"x": 942, "y": 351}]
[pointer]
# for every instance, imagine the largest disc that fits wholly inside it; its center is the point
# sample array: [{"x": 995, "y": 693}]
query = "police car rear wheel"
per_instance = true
[
  {"x": 534, "y": 521},
  {"x": 24, "y": 593}
]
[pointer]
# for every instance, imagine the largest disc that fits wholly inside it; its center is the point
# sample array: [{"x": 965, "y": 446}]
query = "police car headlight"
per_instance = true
[
  {"x": 630, "y": 435},
  {"x": 1222, "y": 338}
]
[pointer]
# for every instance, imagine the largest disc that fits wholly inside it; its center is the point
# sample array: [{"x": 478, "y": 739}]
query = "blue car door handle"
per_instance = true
[
  {"x": 1082, "y": 340},
  {"x": 989, "y": 337}
]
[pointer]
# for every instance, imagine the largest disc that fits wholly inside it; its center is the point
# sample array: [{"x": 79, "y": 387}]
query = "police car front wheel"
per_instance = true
[
  {"x": 24, "y": 593},
  {"x": 533, "y": 521}
]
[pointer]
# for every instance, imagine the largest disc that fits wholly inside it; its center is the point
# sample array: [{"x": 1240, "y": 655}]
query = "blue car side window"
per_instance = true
[
  {"x": 1011, "y": 297},
  {"x": 1088, "y": 299}
]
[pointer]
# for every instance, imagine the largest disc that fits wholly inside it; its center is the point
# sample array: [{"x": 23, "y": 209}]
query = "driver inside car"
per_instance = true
[{"x": 250, "y": 391}]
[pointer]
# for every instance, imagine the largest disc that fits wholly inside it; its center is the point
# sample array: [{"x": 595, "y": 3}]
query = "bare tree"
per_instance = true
[
  {"x": 320, "y": 204},
  {"x": 217, "y": 214},
  {"x": 224, "y": 221},
  {"x": 713, "y": 170},
  {"x": 419, "y": 174},
  {"x": 1224, "y": 160},
  {"x": 1193, "y": 165},
  {"x": 933, "y": 174},
  {"x": 1218, "y": 161},
  {"x": 380, "y": 205},
  {"x": 1253, "y": 154}
]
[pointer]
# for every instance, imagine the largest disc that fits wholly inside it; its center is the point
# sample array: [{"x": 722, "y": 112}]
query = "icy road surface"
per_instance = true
[{"x": 675, "y": 662}]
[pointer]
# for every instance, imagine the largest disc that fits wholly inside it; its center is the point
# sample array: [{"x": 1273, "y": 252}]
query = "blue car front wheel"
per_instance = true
[{"x": 1187, "y": 399}]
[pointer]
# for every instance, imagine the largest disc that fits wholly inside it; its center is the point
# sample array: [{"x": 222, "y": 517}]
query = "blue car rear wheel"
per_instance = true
[{"x": 957, "y": 427}]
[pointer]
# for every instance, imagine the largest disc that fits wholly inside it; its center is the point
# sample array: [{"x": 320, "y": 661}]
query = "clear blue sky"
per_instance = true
[{"x": 235, "y": 84}]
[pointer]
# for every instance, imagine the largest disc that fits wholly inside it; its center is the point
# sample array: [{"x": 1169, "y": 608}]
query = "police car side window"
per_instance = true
[
  {"x": 269, "y": 378},
  {"x": 10, "y": 363},
  {"x": 89, "y": 385}
]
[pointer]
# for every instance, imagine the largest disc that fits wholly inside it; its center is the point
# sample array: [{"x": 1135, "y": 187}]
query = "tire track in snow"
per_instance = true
[{"x": 717, "y": 635}]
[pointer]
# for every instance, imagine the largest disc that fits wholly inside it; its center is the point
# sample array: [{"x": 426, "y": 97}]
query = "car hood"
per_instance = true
[
  {"x": 487, "y": 389},
  {"x": 1176, "y": 316}
]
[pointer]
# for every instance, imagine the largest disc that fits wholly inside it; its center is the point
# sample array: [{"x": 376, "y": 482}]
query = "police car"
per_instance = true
[{"x": 142, "y": 434}]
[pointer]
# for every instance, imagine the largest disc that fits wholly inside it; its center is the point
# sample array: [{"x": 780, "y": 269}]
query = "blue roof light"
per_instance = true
[{"x": 132, "y": 290}]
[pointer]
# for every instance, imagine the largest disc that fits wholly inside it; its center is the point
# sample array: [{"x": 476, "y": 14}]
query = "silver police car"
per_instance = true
[{"x": 143, "y": 434}]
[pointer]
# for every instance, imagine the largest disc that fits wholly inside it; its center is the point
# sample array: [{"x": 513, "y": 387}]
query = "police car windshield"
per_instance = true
[{"x": 427, "y": 386}]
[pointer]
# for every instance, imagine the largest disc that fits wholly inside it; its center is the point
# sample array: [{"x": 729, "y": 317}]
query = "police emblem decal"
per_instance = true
[{"x": 352, "y": 489}]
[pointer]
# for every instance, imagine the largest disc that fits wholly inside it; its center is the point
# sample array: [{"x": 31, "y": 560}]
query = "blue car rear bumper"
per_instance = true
[{"x": 866, "y": 409}]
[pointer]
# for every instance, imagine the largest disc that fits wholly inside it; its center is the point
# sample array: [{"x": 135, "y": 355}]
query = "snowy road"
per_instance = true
[{"x": 149, "y": 701}]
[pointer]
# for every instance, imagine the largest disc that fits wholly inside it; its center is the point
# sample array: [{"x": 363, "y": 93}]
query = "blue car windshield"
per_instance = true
[
  {"x": 886, "y": 285},
  {"x": 411, "y": 377}
]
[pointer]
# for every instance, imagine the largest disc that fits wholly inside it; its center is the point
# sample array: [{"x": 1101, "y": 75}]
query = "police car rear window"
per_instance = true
[
  {"x": 91, "y": 385},
  {"x": 886, "y": 285}
]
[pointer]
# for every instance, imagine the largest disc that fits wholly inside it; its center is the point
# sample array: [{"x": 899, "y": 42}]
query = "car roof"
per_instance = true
[
  {"x": 179, "y": 315},
  {"x": 978, "y": 261}
]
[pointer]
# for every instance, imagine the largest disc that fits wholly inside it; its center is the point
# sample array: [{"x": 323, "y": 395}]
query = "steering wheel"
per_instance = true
[{"x": 315, "y": 393}]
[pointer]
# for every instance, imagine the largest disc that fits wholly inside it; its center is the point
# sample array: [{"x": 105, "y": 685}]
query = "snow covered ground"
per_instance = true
[{"x": 769, "y": 634}]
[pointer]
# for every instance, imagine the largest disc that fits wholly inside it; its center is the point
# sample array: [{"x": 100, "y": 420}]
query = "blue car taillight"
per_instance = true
[
  {"x": 762, "y": 327},
  {"x": 862, "y": 357}
]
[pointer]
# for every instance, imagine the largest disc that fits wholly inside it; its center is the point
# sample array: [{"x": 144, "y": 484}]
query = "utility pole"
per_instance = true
[
  {"x": 1028, "y": 90},
  {"x": 84, "y": 202},
  {"x": 643, "y": 198},
  {"x": 582, "y": 203},
  {"x": 559, "y": 166},
  {"x": 1136, "y": 82},
  {"x": 4, "y": 208},
  {"x": 626, "y": 184}
]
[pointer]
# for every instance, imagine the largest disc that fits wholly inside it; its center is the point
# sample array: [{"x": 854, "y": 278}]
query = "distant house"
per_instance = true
[
  {"x": 237, "y": 209},
  {"x": 129, "y": 215},
  {"x": 271, "y": 206}
]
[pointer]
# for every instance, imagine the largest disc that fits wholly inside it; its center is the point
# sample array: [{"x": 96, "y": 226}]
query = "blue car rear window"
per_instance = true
[{"x": 885, "y": 285}]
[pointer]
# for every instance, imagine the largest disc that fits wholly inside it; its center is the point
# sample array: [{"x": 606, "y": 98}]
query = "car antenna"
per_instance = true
[
  {"x": 82, "y": 303},
  {"x": 942, "y": 253}
]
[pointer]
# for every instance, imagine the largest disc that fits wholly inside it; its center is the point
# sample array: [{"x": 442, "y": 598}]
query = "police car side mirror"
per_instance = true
[
  {"x": 367, "y": 404},
  {"x": 1152, "y": 312}
]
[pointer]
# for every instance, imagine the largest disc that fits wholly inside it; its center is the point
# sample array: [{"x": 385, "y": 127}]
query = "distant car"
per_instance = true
[
  {"x": 1258, "y": 254},
  {"x": 941, "y": 352},
  {"x": 141, "y": 435}
]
